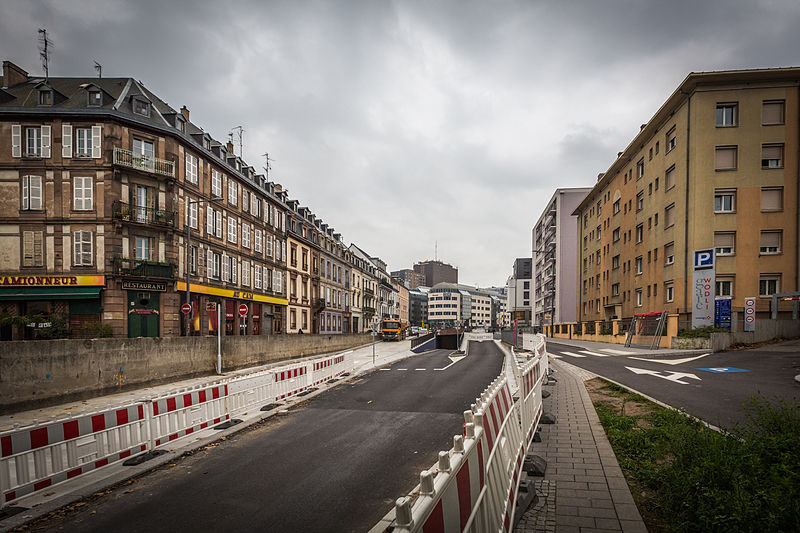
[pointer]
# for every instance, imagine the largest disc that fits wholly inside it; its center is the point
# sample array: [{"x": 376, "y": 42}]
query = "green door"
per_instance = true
[{"x": 143, "y": 313}]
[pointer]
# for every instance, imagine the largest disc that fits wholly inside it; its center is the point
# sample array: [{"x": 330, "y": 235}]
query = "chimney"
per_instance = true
[
  {"x": 185, "y": 113},
  {"x": 229, "y": 146},
  {"x": 642, "y": 127},
  {"x": 600, "y": 176},
  {"x": 12, "y": 74}
]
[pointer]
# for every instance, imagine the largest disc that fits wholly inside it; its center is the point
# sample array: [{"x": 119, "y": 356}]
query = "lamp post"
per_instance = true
[{"x": 188, "y": 228}]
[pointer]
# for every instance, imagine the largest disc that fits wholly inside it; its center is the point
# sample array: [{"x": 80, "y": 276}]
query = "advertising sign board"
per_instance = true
[{"x": 703, "y": 288}]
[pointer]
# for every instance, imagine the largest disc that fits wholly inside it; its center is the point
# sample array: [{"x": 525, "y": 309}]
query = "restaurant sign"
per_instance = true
[{"x": 151, "y": 286}]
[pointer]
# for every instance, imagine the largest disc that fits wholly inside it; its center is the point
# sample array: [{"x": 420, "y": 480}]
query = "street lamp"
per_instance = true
[
  {"x": 375, "y": 327},
  {"x": 188, "y": 228}
]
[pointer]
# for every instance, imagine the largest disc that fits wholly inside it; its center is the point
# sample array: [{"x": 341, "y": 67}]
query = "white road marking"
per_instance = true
[
  {"x": 595, "y": 353},
  {"x": 673, "y": 361},
  {"x": 386, "y": 369},
  {"x": 402, "y": 369},
  {"x": 615, "y": 352},
  {"x": 572, "y": 354},
  {"x": 673, "y": 376},
  {"x": 554, "y": 356},
  {"x": 454, "y": 358},
  {"x": 420, "y": 369}
]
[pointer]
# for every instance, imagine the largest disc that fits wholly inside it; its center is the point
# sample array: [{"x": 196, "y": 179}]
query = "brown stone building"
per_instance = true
[{"x": 107, "y": 195}]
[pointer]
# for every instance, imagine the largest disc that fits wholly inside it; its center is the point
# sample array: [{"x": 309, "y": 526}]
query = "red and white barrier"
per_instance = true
[
  {"x": 179, "y": 414},
  {"x": 37, "y": 457},
  {"x": 323, "y": 370},
  {"x": 291, "y": 380},
  {"x": 250, "y": 391}
]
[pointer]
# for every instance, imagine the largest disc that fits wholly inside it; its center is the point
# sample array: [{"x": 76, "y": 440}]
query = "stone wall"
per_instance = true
[{"x": 39, "y": 373}]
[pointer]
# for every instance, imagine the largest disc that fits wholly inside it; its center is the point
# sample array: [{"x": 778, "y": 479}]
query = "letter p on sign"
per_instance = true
[{"x": 704, "y": 258}]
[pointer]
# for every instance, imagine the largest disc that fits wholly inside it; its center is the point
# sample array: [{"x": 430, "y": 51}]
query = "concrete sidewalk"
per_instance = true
[
  {"x": 583, "y": 488},
  {"x": 640, "y": 351}
]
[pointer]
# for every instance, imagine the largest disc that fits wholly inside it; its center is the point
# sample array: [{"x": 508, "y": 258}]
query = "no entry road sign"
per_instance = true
[{"x": 242, "y": 310}]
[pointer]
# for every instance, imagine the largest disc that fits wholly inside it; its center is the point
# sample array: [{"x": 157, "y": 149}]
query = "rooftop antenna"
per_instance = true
[
  {"x": 99, "y": 69},
  {"x": 436, "y": 251},
  {"x": 267, "y": 164},
  {"x": 239, "y": 131},
  {"x": 44, "y": 51}
]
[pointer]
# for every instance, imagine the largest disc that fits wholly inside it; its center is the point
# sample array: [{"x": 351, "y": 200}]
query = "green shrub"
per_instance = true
[{"x": 700, "y": 333}]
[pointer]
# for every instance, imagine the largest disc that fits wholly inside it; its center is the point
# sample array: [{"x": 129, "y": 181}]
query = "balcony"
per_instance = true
[
  {"x": 142, "y": 215},
  {"x": 318, "y": 303},
  {"x": 368, "y": 310},
  {"x": 142, "y": 269},
  {"x": 369, "y": 292},
  {"x": 154, "y": 165}
]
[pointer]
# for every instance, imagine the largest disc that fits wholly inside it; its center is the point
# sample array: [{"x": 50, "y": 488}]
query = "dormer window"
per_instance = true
[
  {"x": 180, "y": 124},
  {"x": 95, "y": 99},
  {"x": 45, "y": 97},
  {"x": 141, "y": 107}
]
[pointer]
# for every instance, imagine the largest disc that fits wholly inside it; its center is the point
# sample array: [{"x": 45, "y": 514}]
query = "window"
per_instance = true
[
  {"x": 638, "y": 297},
  {"x": 257, "y": 277},
  {"x": 255, "y": 206},
  {"x": 142, "y": 252},
  {"x": 246, "y": 235},
  {"x": 640, "y": 168},
  {"x": 724, "y": 286},
  {"x": 232, "y": 229},
  {"x": 724, "y": 242},
  {"x": 193, "y": 260},
  {"x": 615, "y": 262},
  {"x": 95, "y": 99},
  {"x": 233, "y": 192},
  {"x": 216, "y": 183},
  {"x": 191, "y": 213},
  {"x": 669, "y": 216},
  {"x": 83, "y": 142},
  {"x": 191, "y": 169},
  {"x": 769, "y": 284},
  {"x": 771, "y": 242},
  {"x": 258, "y": 240},
  {"x": 246, "y": 273},
  {"x": 616, "y": 207},
  {"x": 725, "y": 200},
  {"x": 726, "y": 115},
  {"x": 669, "y": 253},
  {"x": 245, "y": 200},
  {"x": 597, "y": 231},
  {"x": 669, "y": 178},
  {"x": 226, "y": 268},
  {"x": 33, "y": 142},
  {"x": 640, "y": 201},
  {"x": 46, "y": 97},
  {"x": 639, "y": 233},
  {"x": 31, "y": 193},
  {"x": 772, "y": 199},
  {"x": 32, "y": 249},
  {"x": 672, "y": 139},
  {"x": 82, "y": 194},
  {"x": 772, "y": 112},
  {"x": 218, "y": 224},
  {"x": 669, "y": 292},
  {"x": 180, "y": 124},
  {"x": 725, "y": 158},
  {"x": 82, "y": 248},
  {"x": 615, "y": 235},
  {"x": 772, "y": 156},
  {"x": 639, "y": 265},
  {"x": 141, "y": 107},
  {"x": 615, "y": 289}
]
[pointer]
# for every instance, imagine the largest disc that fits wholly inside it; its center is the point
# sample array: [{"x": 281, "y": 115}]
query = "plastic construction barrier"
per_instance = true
[
  {"x": 179, "y": 414},
  {"x": 37, "y": 457},
  {"x": 328, "y": 368},
  {"x": 474, "y": 485},
  {"x": 291, "y": 380},
  {"x": 250, "y": 391}
]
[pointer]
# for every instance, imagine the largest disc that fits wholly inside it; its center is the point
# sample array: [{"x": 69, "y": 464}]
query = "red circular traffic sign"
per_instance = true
[
  {"x": 243, "y": 310},
  {"x": 186, "y": 309}
]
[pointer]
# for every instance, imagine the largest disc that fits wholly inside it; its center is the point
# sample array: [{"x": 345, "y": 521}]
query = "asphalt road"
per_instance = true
[
  {"x": 717, "y": 396},
  {"x": 334, "y": 463}
]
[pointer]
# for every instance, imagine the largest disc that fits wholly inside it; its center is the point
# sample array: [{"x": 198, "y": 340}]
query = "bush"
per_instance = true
[
  {"x": 700, "y": 333},
  {"x": 96, "y": 330}
]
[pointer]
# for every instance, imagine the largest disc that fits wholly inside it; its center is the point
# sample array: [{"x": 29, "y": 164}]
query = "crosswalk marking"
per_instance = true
[
  {"x": 572, "y": 354},
  {"x": 595, "y": 353}
]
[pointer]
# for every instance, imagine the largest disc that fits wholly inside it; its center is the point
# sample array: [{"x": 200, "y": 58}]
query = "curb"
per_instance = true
[{"x": 132, "y": 472}]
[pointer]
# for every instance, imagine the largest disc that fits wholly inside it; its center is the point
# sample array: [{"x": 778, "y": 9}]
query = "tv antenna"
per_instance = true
[
  {"x": 239, "y": 131},
  {"x": 44, "y": 51},
  {"x": 99, "y": 69},
  {"x": 267, "y": 164}
]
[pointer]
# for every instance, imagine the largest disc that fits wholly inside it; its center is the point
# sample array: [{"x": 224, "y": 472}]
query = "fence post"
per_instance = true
[
  {"x": 672, "y": 326},
  {"x": 615, "y": 327}
]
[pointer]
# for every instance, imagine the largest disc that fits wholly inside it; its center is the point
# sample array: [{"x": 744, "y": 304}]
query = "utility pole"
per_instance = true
[{"x": 44, "y": 52}]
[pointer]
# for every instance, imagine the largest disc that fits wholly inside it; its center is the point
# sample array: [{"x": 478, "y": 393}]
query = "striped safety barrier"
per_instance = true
[
  {"x": 37, "y": 457},
  {"x": 326, "y": 369},
  {"x": 475, "y": 485},
  {"x": 291, "y": 381},
  {"x": 177, "y": 415},
  {"x": 249, "y": 391}
]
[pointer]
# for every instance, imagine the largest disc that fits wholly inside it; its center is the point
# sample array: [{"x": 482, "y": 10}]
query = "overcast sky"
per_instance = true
[{"x": 406, "y": 123}]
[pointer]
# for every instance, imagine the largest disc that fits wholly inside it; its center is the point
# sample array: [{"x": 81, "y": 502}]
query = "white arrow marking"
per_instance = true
[
  {"x": 672, "y": 376},
  {"x": 671, "y": 362},
  {"x": 454, "y": 358}
]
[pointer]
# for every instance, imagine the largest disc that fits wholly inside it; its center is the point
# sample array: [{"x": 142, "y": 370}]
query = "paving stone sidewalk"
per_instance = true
[{"x": 583, "y": 477}]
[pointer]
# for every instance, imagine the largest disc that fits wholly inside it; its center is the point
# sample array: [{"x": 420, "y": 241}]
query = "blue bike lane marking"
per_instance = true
[{"x": 723, "y": 369}]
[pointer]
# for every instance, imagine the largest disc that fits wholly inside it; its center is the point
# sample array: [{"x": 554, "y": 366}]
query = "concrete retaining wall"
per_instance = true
[
  {"x": 39, "y": 373},
  {"x": 766, "y": 329}
]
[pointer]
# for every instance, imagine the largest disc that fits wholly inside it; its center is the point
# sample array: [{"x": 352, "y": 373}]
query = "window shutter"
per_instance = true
[
  {"x": 234, "y": 270},
  {"x": 45, "y": 142},
  {"x": 218, "y": 229},
  {"x": 25, "y": 188},
  {"x": 87, "y": 247},
  {"x": 77, "y": 248},
  {"x": 209, "y": 263},
  {"x": 27, "y": 248},
  {"x": 725, "y": 158},
  {"x": 66, "y": 140},
  {"x": 38, "y": 249},
  {"x": 771, "y": 239},
  {"x": 16, "y": 140},
  {"x": 771, "y": 199},
  {"x": 35, "y": 192},
  {"x": 226, "y": 268},
  {"x": 724, "y": 240},
  {"x": 283, "y": 250},
  {"x": 669, "y": 215},
  {"x": 772, "y": 113},
  {"x": 209, "y": 221},
  {"x": 77, "y": 193},
  {"x": 97, "y": 142}
]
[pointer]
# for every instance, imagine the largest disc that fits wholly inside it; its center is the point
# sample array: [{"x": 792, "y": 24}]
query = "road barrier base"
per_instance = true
[
  {"x": 534, "y": 465},
  {"x": 143, "y": 457},
  {"x": 525, "y": 498},
  {"x": 270, "y": 406},
  {"x": 228, "y": 424}
]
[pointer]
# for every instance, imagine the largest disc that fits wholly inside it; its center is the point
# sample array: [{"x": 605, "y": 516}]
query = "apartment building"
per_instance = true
[
  {"x": 519, "y": 292},
  {"x": 367, "y": 272},
  {"x": 450, "y": 304},
  {"x": 113, "y": 204},
  {"x": 715, "y": 167},
  {"x": 418, "y": 307},
  {"x": 554, "y": 236}
]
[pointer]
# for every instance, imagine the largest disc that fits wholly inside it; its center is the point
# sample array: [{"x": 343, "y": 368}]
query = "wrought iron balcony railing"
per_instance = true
[
  {"x": 318, "y": 303},
  {"x": 142, "y": 215},
  {"x": 126, "y": 158},
  {"x": 144, "y": 269}
]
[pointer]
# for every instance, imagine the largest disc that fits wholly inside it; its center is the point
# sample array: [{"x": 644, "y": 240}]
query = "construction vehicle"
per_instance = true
[{"x": 393, "y": 329}]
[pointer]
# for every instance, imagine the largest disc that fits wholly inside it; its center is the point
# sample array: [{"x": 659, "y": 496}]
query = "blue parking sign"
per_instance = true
[{"x": 704, "y": 259}]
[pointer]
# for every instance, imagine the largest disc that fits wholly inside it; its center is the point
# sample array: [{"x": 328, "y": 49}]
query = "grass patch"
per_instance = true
[{"x": 686, "y": 477}]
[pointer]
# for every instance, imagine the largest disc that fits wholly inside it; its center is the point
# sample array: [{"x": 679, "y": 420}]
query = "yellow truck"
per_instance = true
[{"x": 393, "y": 329}]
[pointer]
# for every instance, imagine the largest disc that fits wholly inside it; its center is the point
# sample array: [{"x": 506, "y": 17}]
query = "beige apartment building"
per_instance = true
[{"x": 715, "y": 167}]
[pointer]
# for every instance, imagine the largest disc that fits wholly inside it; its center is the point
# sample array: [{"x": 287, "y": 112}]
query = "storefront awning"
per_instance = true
[{"x": 49, "y": 293}]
